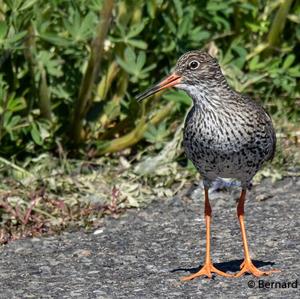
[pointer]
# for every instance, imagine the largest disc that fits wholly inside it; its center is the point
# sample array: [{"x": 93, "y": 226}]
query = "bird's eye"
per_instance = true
[{"x": 194, "y": 64}]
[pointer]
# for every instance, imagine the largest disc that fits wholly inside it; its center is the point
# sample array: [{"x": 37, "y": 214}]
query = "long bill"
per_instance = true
[{"x": 170, "y": 81}]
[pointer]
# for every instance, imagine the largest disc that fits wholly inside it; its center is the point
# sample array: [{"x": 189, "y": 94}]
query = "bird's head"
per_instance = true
[{"x": 193, "y": 72}]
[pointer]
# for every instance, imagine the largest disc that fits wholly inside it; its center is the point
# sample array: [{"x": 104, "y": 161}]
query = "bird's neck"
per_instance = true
[{"x": 211, "y": 95}]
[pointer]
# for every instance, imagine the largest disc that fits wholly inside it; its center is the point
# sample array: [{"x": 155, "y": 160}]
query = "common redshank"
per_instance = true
[{"x": 226, "y": 135}]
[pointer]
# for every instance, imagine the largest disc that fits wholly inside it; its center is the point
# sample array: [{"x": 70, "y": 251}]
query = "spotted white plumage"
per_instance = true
[{"x": 226, "y": 134}]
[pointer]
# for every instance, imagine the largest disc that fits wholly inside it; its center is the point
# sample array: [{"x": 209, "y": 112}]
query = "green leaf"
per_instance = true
[
  {"x": 6, "y": 119},
  {"x": 178, "y": 7},
  {"x": 35, "y": 134},
  {"x": 170, "y": 24},
  {"x": 150, "y": 67},
  {"x": 26, "y": 4},
  {"x": 294, "y": 71},
  {"x": 151, "y": 8},
  {"x": 136, "y": 30},
  {"x": 157, "y": 135},
  {"x": 199, "y": 35},
  {"x": 216, "y": 5},
  {"x": 53, "y": 66},
  {"x": 14, "y": 121},
  {"x": 55, "y": 39},
  {"x": 137, "y": 44},
  {"x": 169, "y": 47},
  {"x": 288, "y": 61},
  {"x": 141, "y": 59},
  {"x": 129, "y": 55},
  {"x": 253, "y": 63},
  {"x": 14, "y": 4},
  {"x": 3, "y": 29},
  {"x": 16, "y": 104},
  {"x": 80, "y": 28},
  {"x": 17, "y": 37},
  {"x": 184, "y": 27},
  {"x": 87, "y": 25},
  {"x": 127, "y": 67}
]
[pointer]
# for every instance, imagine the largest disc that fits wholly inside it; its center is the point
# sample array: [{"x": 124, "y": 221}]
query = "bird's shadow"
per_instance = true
[{"x": 231, "y": 266}]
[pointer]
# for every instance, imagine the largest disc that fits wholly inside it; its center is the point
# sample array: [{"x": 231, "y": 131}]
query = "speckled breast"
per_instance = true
[{"x": 223, "y": 149}]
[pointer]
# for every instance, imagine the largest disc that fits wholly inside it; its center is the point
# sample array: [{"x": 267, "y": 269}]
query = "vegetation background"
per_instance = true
[{"x": 75, "y": 145}]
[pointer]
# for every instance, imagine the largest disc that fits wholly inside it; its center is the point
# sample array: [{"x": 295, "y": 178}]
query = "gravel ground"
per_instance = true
[{"x": 145, "y": 252}]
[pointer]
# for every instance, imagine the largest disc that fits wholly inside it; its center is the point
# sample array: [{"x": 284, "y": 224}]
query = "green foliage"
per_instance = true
[
  {"x": 63, "y": 77},
  {"x": 135, "y": 65},
  {"x": 46, "y": 47},
  {"x": 157, "y": 135}
]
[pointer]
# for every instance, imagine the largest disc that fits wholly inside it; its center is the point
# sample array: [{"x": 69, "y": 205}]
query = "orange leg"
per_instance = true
[
  {"x": 208, "y": 267},
  {"x": 247, "y": 265}
]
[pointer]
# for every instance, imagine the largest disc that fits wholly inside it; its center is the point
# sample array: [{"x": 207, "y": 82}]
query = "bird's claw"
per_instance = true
[
  {"x": 207, "y": 271},
  {"x": 248, "y": 267}
]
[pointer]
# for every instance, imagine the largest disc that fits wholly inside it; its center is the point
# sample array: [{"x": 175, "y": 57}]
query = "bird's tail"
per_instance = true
[{"x": 221, "y": 184}]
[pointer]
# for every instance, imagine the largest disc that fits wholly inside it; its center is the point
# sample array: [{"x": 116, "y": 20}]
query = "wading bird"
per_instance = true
[{"x": 226, "y": 135}]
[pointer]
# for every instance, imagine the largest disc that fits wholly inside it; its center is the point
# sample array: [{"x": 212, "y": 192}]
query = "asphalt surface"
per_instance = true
[{"x": 145, "y": 252}]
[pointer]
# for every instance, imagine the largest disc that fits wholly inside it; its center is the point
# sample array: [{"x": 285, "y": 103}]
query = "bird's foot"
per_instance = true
[
  {"x": 207, "y": 271},
  {"x": 248, "y": 267}
]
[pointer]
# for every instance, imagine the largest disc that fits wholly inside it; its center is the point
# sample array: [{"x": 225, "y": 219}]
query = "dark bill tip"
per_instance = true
[
  {"x": 170, "y": 81},
  {"x": 148, "y": 92}
]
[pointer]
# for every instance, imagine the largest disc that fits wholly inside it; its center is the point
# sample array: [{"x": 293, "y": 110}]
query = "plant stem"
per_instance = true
[
  {"x": 4, "y": 107},
  {"x": 44, "y": 95},
  {"x": 29, "y": 53},
  {"x": 16, "y": 167},
  {"x": 136, "y": 134},
  {"x": 107, "y": 80},
  {"x": 89, "y": 78},
  {"x": 278, "y": 23}
]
